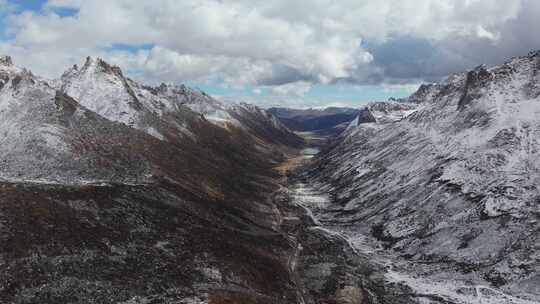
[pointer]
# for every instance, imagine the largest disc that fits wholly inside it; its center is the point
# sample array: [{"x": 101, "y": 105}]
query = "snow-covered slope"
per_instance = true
[
  {"x": 264, "y": 126},
  {"x": 46, "y": 135},
  {"x": 95, "y": 124},
  {"x": 113, "y": 192},
  {"x": 200, "y": 102},
  {"x": 249, "y": 118},
  {"x": 383, "y": 112},
  {"x": 104, "y": 89},
  {"x": 390, "y": 111},
  {"x": 454, "y": 183}
]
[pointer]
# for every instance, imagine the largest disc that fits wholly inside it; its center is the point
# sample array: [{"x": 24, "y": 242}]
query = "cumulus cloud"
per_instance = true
[
  {"x": 285, "y": 45},
  {"x": 296, "y": 89},
  {"x": 197, "y": 34}
]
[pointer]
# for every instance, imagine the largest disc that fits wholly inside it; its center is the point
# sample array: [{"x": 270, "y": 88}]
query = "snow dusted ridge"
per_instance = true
[
  {"x": 380, "y": 113},
  {"x": 390, "y": 111},
  {"x": 91, "y": 124},
  {"x": 454, "y": 183},
  {"x": 115, "y": 192},
  {"x": 449, "y": 287},
  {"x": 105, "y": 90},
  {"x": 199, "y": 102},
  {"x": 47, "y": 136}
]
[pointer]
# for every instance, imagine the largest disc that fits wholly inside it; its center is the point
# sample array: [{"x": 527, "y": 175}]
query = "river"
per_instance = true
[{"x": 426, "y": 283}]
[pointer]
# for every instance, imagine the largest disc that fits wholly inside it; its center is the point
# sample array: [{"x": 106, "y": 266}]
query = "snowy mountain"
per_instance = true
[
  {"x": 48, "y": 136},
  {"x": 116, "y": 192},
  {"x": 105, "y": 90},
  {"x": 260, "y": 124},
  {"x": 447, "y": 180},
  {"x": 199, "y": 102},
  {"x": 382, "y": 112},
  {"x": 60, "y": 130}
]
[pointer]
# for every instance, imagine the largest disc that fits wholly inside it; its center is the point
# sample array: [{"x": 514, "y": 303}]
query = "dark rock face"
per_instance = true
[
  {"x": 365, "y": 116},
  {"x": 6, "y": 61},
  {"x": 109, "y": 244},
  {"x": 476, "y": 80},
  {"x": 3, "y": 80},
  {"x": 65, "y": 105}
]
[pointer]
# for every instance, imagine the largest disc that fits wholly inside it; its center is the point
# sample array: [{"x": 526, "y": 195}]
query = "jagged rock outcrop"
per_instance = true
[{"x": 379, "y": 113}]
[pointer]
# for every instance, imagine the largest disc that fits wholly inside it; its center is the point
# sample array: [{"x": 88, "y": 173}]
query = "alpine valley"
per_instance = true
[{"x": 112, "y": 191}]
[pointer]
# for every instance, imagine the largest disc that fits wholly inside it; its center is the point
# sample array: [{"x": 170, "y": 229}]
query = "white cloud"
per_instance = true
[
  {"x": 163, "y": 63},
  {"x": 286, "y": 45},
  {"x": 483, "y": 33},
  {"x": 203, "y": 36},
  {"x": 295, "y": 89}
]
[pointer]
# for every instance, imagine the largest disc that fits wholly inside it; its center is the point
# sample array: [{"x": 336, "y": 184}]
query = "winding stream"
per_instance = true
[{"x": 429, "y": 285}]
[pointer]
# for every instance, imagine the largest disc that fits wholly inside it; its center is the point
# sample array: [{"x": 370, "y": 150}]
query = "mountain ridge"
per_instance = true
[
  {"x": 451, "y": 184},
  {"x": 312, "y": 120},
  {"x": 114, "y": 192}
]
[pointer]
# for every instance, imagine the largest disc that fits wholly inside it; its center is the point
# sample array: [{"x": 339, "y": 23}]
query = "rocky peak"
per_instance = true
[
  {"x": 365, "y": 116},
  {"x": 163, "y": 87},
  {"x": 88, "y": 63},
  {"x": 6, "y": 61},
  {"x": 70, "y": 72},
  {"x": 175, "y": 89},
  {"x": 534, "y": 54},
  {"x": 476, "y": 79},
  {"x": 102, "y": 88},
  {"x": 420, "y": 95},
  {"x": 100, "y": 65},
  {"x": 8, "y": 68}
]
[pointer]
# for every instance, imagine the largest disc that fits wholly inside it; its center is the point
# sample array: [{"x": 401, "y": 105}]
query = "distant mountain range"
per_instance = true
[{"x": 315, "y": 119}]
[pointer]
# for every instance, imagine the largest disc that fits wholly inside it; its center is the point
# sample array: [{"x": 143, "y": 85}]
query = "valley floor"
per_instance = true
[
  {"x": 335, "y": 263},
  {"x": 107, "y": 243}
]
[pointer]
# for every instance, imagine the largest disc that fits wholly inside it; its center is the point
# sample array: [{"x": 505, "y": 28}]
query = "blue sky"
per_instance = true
[
  {"x": 282, "y": 52},
  {"x": 318, "y": 96},
  {"x": 39, "y": 5}
]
